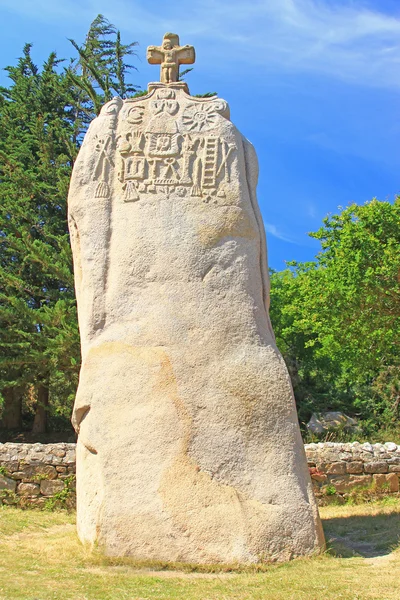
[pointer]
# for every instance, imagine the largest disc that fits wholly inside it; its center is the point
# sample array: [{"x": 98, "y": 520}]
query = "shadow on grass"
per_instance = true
[{"x": 367, "y": 535}]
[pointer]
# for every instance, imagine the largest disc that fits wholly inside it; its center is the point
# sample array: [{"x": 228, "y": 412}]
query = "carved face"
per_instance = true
[
  {"x": 199, "y": 117},
  {"x": 163, "y": 143},
  {"x": 167, "y": 45}
]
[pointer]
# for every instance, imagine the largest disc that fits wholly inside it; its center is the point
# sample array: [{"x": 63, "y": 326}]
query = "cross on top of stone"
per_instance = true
[{"x": 170, "y": 55}]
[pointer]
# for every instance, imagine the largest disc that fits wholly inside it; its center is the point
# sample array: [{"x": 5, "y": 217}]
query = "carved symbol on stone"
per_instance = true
[
  {"x": 210, "y": 196},
  {"x": 180, "y": 191},
  {"x": 212, "y": 160},
  {"x": 199, "y": 117},
  {"x": 164, "y": 180},
  {"x": 187, "y": 152},
  {"x": 227, "y": 150},
  {"x": 163, "y": 144},
  {"x": 133, "y": 163},
  {"x": 112, "y": 107},
  {"x": 135, "y": 167},
  {"x": 170, "y": 55},
  {"x": 168, "y": 106},
  {"x": 131, "y": 144},
  {"x": 165, "y": 102},
  {"x": 154, "y": 162},
  {"x": 103, "y": 165},
  {"x": 171, "y": 170},
  {"x": 197, "y": 167},
  {"x": 135, "y": 115},
  {"x": 209, "y": 174},
  {"x": 131, "y": 194},
  {"x": 166, "y": 94}
]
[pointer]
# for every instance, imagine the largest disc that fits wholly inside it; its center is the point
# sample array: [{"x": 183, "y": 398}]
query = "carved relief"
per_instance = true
[
  {"x": 199, "y": 117},
  {"x": 171, "y": 153},
  {"x": 170, "y": 55},
  {"x": 133, "y": 164},
  {"x": 104, "y": 163},
  {"x": 135, "y": 115},
  {"x": 162, "y": 144}
]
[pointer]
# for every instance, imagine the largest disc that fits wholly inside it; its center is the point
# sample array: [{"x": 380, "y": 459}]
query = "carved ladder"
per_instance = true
[{"x": 210, "y": 162}]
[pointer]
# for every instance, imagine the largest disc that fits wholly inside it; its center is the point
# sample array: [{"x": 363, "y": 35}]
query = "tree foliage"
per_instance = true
[
  {"x": 43, "y": 115},
  {"x": 338, "y": 319},
  {"x": 101, "y": 71}
]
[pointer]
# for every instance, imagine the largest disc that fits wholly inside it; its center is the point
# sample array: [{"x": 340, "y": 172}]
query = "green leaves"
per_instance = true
[
  {"x": 101, "y": 70},
  {"x": 36, "y": 283},
  {"x": 339, "y": 317},
  {"x": 43, "y": 116}
]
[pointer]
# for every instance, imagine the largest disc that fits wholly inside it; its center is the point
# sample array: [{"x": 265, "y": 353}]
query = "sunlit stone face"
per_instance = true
[{"x": 189, "y": 447}]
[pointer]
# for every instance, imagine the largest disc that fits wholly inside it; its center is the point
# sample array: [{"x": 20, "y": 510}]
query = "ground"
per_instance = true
[{"x": 41, "y": 559}]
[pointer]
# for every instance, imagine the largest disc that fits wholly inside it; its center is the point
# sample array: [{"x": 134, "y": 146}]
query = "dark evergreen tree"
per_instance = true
[
  {"x": 43, "y": 116},
  {"x": 100, "y": 71},
  {"x": 37, "y": 306}
]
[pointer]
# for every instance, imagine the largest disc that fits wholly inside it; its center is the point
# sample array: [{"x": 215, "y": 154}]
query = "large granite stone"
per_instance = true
[{"x": 189, "y": 447}]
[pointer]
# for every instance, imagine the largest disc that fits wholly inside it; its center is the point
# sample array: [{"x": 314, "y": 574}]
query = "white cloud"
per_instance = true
[
  {"x": 345, "y": 39},
  {"x": 273, "y": 230},
  {"x": 349, "y": 40},
  {"x": 311, "y": 210}
]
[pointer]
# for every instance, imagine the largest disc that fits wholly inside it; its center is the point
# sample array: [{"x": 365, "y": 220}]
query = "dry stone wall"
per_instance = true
[
  {"x": 41, "y": 475},
  {"x": 44, "y": 474},
  {"x": 340, "y": 470}
]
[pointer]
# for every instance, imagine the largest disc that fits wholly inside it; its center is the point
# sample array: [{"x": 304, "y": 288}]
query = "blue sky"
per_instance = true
[{"x": 313, "y": 84}]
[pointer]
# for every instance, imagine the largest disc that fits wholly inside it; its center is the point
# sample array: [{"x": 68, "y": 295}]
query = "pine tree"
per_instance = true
[
  {"x": 43, "y": 117},
  {"x": 100, "y": 71},
  {"x": 36, "y": 285}
]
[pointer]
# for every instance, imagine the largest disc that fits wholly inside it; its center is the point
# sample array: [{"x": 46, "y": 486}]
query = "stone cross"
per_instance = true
[{"x": 170, "y": 55}]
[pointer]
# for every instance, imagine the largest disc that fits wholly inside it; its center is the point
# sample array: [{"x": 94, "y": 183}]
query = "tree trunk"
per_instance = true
[
  {"x": 12, "y": 410},
  {"x": 40, "y": 421}
]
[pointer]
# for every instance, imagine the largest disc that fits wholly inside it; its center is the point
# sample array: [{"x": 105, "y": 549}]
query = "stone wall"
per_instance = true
[
  {"x": 41, "y": 475},
  {"x": 342, "y": 470},
  {"x": 44, "y": 474}
]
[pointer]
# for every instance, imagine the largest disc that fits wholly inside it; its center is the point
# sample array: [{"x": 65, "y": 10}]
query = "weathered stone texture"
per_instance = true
[
  {"x": 381, "y": 483},
  {"x": 7, "y": 483},
  {"x": 50, "y": 488},
  {"x": 35, "y": 473},
  {"x": 189, "y": 447},
  {"x": 28, "y": 489},
  {"x": 376, "y": 467},
  {"x": 368, "y": 467}
]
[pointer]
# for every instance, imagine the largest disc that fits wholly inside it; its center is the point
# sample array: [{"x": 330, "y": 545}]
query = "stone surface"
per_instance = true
[
  {"x": 28, "y": 489},
  {"x": 49, "y": 488},
  {"x": 6, "y": 483},
  {"x": 349, "y": 482},
  {"x": 170, "y": 55},
  {"x": 355, "y": 466},
  {"x": 393, "y": 481},
  {"x": 367, "y": 447},
  {"x": 321, "y": 423},
  {"x": 349, "y": 454},
  {"x": 37, "y": 472},
  {"x": 189, "y": 447},
  {"x": 336, "y": 468},
  {"x": 389, "y": 482},
  {"x": 376, "y": 467}
]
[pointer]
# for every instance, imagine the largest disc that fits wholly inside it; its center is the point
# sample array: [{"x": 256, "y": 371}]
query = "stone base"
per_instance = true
[{"x": 176, "y": 85}]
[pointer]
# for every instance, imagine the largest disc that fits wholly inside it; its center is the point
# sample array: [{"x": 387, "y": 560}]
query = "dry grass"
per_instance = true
[{"x": 41, "y": 559}]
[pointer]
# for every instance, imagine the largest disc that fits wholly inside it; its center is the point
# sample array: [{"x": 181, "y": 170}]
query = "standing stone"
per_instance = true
[{"x": 189, "y": 446}]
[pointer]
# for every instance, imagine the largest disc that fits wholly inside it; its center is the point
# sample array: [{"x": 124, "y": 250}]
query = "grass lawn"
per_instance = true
[{"x": 42, "y": 559}]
